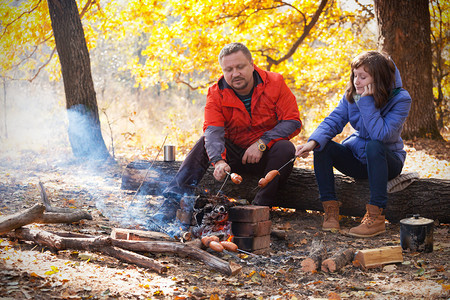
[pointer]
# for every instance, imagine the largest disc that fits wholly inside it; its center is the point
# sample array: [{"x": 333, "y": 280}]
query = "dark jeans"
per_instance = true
[
  {"x": 382, "y": 165},
  {"x": 197, "y": 162}
]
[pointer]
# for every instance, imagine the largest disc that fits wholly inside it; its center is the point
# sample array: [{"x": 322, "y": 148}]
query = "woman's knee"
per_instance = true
[
  {"x": 375, "y": 148},
  {"x": 328, "y": 150}
]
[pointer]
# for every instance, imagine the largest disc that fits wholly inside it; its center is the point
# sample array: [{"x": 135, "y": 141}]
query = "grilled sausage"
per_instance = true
[
  {"x": 236, "y": 178},
  {"x": 262, "y": 182},
  {"x": 206, "y": 240},
  {"x": 216, "y": 246},
  {"x": 271, "y": 175},
  {"x": 230, "y": 246}
]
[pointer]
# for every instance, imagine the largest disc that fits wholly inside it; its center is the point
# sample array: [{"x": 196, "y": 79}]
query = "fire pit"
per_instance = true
[{"x": 229, "y": 219}]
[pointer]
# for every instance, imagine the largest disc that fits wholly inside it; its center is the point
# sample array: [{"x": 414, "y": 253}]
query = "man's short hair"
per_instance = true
[{"x": 233, "y": 48}]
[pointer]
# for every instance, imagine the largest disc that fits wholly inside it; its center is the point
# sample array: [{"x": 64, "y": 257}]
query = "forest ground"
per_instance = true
[{"x": 28, "y": 271}]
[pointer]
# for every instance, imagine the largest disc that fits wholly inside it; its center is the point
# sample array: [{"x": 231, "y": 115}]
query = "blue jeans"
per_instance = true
[{"x": 382, "y": 165}]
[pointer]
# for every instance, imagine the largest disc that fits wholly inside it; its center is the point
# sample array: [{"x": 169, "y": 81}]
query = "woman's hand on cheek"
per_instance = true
[{"x": 368, "y": 90}]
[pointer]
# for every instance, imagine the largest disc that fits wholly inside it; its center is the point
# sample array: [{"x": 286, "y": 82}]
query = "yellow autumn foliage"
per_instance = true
[{"x": 178, "y": 42}]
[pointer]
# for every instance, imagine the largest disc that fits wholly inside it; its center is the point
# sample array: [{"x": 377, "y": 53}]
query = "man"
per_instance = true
[{"x": 250, "y": 115}]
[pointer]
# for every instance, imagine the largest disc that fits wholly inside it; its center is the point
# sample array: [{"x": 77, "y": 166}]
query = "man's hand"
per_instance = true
[
  {"x": 252, "y": 155},
  {"x": 303, "y": 150},
  {"x": 220, "y": 169}
]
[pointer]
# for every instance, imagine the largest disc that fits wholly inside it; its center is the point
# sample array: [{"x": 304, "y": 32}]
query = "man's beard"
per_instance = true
[{"x": 242, "y": 84}]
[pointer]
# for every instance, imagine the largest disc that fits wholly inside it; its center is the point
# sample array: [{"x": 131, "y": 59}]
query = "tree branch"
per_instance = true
[
  {"x": 87, "y": 7},
  {"x": 193, "y": 88},
  {"x": 365, "y": 8},
  {"x": 297, "y": 43},
  {"x": 43, "y": 66},
  {"x": 20, "y": 16}
]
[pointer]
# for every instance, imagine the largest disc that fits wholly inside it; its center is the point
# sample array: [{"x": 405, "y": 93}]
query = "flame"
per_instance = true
[
  {"x": 232, "y": 200},
  {"x": 230, "y": 238}
]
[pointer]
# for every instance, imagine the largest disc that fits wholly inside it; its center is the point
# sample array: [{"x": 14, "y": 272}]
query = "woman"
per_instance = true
[{"x": 376, "y": 106}]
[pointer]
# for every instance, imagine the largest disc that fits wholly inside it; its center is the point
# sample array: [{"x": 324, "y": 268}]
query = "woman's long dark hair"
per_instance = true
[{"x": 382, "y": 69}]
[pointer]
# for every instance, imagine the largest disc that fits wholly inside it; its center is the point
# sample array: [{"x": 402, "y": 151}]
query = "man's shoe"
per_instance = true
[
  {"x": 372, "y": 224},
  {"x": 331, "y": 217},
  {"x": 167, "y": 211}
]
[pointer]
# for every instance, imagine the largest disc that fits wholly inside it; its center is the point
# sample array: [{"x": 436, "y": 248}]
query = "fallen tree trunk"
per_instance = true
[{"x": 427, "y": 197}]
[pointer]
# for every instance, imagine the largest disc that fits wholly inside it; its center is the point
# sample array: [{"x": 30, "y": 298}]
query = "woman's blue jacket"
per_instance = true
[{"x": 370, "y": 123}]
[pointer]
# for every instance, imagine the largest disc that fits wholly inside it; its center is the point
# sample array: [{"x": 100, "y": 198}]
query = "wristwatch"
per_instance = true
[{"x": 261, "y": 146}]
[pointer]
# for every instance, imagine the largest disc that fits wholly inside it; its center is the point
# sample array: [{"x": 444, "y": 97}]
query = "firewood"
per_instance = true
[
  {"x": 139, "y": 235},
  {"x": 372, "y": 258},
  {"x": 193, "y": 249},
  {"x": 43, "y": 214},
  {"x": 37, "y": 214},
  {"x": 227, "y": 268},
  {"x": 316, "y": 254},
  {"x": 338, "y": 260},
  {"x": 100, "y": 244},
  {"x": 279, "y": 234},
  {"x": 19, "y": 219},
  {"x": 61, "y": 215},
  {"x": 66, "y": 217}
]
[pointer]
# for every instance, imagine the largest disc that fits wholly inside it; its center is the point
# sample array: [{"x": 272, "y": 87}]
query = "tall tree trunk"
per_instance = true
[
  {"x": 404, "y": 32},
  {"x": 84, "y": 125}
]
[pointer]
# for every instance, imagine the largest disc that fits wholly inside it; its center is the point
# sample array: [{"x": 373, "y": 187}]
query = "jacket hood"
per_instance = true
[{"x": 398, "y": 79}]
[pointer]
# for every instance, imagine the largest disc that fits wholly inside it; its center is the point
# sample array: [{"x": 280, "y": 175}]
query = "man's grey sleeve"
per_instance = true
[
  {"x": 214, "y": 142},
  {"x": 283, "y": 130}
]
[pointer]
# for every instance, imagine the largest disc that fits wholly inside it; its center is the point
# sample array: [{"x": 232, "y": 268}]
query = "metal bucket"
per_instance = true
[
  {"x": 416, "y": 234},
  {"x": 169, "y": 153}
]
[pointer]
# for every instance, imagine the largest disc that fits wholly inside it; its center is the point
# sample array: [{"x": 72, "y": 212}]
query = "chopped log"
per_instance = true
[
  {"x": 227, "y": 268},
  {"x": 191, "y": 249},
  {"x": 317, "y": 253},
  {"x": 279, "y": 234},
  {"x": 19, "y": 219},
  {"x": 427, "y": 196},
  {"x": 372, "y": 258},
  {"x": 339, "y": 260},
  {"x": 139, "y": 235},
  {"x": 99, "y": 244}
]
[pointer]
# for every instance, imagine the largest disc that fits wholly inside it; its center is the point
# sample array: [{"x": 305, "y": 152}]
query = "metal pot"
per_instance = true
[{"x": 416, "y": 234}]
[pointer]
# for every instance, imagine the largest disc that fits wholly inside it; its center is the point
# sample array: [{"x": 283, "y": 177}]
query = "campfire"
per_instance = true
[{"x": 200, "y": 216}]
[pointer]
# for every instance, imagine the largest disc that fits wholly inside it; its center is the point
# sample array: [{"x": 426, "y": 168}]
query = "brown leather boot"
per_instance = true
[
  {"x": 372, "y": 224},
  {"x": 331, "y": 217}
]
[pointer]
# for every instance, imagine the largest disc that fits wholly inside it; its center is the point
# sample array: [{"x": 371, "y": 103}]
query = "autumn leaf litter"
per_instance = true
[{"x": 30, "y": 272}]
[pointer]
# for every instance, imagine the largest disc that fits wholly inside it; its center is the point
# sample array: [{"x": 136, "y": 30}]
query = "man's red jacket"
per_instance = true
[{"x": 274, "y": 114}]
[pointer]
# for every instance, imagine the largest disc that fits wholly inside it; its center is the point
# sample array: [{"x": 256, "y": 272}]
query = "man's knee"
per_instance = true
[{"x": 284, "y": 148}]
